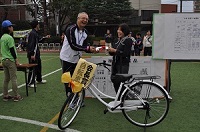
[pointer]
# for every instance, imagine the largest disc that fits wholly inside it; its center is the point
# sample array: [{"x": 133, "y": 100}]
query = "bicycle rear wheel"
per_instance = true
[
  {"x": 155, "y": 104},
  {"x": 70, "y": 109}
]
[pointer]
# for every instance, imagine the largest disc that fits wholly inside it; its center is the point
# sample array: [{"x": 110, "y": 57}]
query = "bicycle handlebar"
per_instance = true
[{"x": 103, "y": 64}]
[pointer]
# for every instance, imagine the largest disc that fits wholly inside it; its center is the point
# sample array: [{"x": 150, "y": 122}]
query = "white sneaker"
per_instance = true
[
  {"x": 32, "y": 85},
  {"x": 42, "y": 82}
]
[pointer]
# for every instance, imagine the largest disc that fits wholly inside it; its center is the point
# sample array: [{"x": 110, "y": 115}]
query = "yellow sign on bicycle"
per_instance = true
[{"x": 83, "y": 73}]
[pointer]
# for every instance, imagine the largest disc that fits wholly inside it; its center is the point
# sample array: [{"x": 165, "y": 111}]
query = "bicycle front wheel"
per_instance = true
[
  {"x": 150, "y": 101},
  {"x": 70, "y": 109}
]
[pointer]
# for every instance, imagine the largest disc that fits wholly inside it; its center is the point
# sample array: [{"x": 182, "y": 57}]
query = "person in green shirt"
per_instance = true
[{"x": 9, "y": 62}]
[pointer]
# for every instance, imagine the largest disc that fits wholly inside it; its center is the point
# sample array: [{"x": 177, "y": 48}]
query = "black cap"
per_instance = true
[{"x": 34, "y": 23}]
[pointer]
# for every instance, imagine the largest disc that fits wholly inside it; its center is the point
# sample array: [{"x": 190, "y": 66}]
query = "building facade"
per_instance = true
[
  {"x": 196, "y": 6},
  {"x": 16, "y": 10},
  {"x": 145, "y": 10},
  {"x": 10, "y": 10}
]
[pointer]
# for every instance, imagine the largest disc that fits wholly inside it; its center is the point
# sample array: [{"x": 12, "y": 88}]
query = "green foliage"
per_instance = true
[{"x": 108, "y": 11}]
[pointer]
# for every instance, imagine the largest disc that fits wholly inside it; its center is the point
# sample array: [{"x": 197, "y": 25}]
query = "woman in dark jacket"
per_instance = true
[{"x": 121, "y": 53}]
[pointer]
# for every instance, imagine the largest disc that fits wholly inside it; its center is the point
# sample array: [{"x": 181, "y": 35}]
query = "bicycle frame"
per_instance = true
[{"x": 114, "y": 105}]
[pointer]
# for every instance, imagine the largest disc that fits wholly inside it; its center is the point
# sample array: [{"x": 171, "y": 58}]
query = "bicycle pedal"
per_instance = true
[{"x": 105, "y": 111}]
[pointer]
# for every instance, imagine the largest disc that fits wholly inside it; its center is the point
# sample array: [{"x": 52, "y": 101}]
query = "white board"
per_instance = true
[
  {"x": 158, "y": 30},
  {"x": 176, "y": 36}
]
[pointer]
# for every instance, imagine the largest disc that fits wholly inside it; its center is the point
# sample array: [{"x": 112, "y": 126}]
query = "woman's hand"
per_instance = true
[{"x": 112, "y": 50}]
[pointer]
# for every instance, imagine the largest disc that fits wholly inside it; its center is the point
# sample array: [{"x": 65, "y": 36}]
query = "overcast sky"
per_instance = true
[{"x": 187, "y": 5}]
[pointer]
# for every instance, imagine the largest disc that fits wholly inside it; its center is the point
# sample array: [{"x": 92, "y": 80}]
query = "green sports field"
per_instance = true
[{"x": 39, "y": 111}]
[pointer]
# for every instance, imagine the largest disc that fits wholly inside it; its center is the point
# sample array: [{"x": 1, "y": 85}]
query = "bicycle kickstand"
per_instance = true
[{"x": 105, "y": 111}]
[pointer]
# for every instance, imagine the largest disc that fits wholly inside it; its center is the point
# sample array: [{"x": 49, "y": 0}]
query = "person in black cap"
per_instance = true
[
  {"x": 33, "y": 54},
  {"x": 9, "y": 62}
]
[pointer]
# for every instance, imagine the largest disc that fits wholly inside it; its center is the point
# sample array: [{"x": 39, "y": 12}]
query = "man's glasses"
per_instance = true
[{"x": 83, "y": 18}]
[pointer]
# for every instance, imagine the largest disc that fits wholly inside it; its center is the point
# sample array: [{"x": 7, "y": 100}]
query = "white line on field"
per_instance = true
[
  {"x": 42, "y": 77},
  {"x": 35, "y": 123}
]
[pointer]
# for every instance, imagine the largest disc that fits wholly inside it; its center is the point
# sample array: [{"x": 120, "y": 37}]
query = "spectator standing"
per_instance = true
[
  {"x": 75, "y": 41},
  {"x": 33, "y": 54},
  {"x": 147, "y": 42},
  {"x": 121, "y": 53},
  {"x": 132, "y": 48},
  {"x": 108, "y": 39},
  {"x": 138, "y": 44},
  {"x": 9, "y": 62}
]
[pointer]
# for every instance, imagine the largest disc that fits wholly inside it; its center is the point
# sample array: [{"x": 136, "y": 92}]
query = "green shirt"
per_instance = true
[{"x": 7, "y": 42}]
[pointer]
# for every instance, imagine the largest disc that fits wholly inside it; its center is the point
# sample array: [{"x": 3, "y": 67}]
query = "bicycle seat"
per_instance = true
[{"x": 123, "y": 77}]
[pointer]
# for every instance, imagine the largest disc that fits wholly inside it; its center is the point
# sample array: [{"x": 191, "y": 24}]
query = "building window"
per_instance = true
[{"x": 147, "y": 15}]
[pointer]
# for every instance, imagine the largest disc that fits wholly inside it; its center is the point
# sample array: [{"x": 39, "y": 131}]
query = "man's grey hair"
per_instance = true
[{"x": 81, "y": 14}]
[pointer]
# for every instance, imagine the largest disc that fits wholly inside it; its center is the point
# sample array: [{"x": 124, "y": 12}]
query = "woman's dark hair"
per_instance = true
[
  {"x": 149, "y": 31},
  {"x": 125, "y": 28},
  {"x": 5, "y": 30}
]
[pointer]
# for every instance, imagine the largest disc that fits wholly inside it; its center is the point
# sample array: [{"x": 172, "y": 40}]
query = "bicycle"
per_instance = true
[{"x": 142, "y": 101}]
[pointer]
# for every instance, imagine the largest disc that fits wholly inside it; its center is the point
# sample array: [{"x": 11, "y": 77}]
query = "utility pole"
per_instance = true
[{"x": 181, "y": 6}]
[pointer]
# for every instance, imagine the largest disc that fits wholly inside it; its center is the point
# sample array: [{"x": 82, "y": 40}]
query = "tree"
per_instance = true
[
  {"x": 67, "y": 10},
  {"x": 101, "y": 11},
  {"x": 108, "y": 11}
]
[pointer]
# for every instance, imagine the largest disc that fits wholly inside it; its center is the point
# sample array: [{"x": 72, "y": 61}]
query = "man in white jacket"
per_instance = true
[
  {"x": 75, "y": 41},
  {"x": 147, "y": 43}
]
